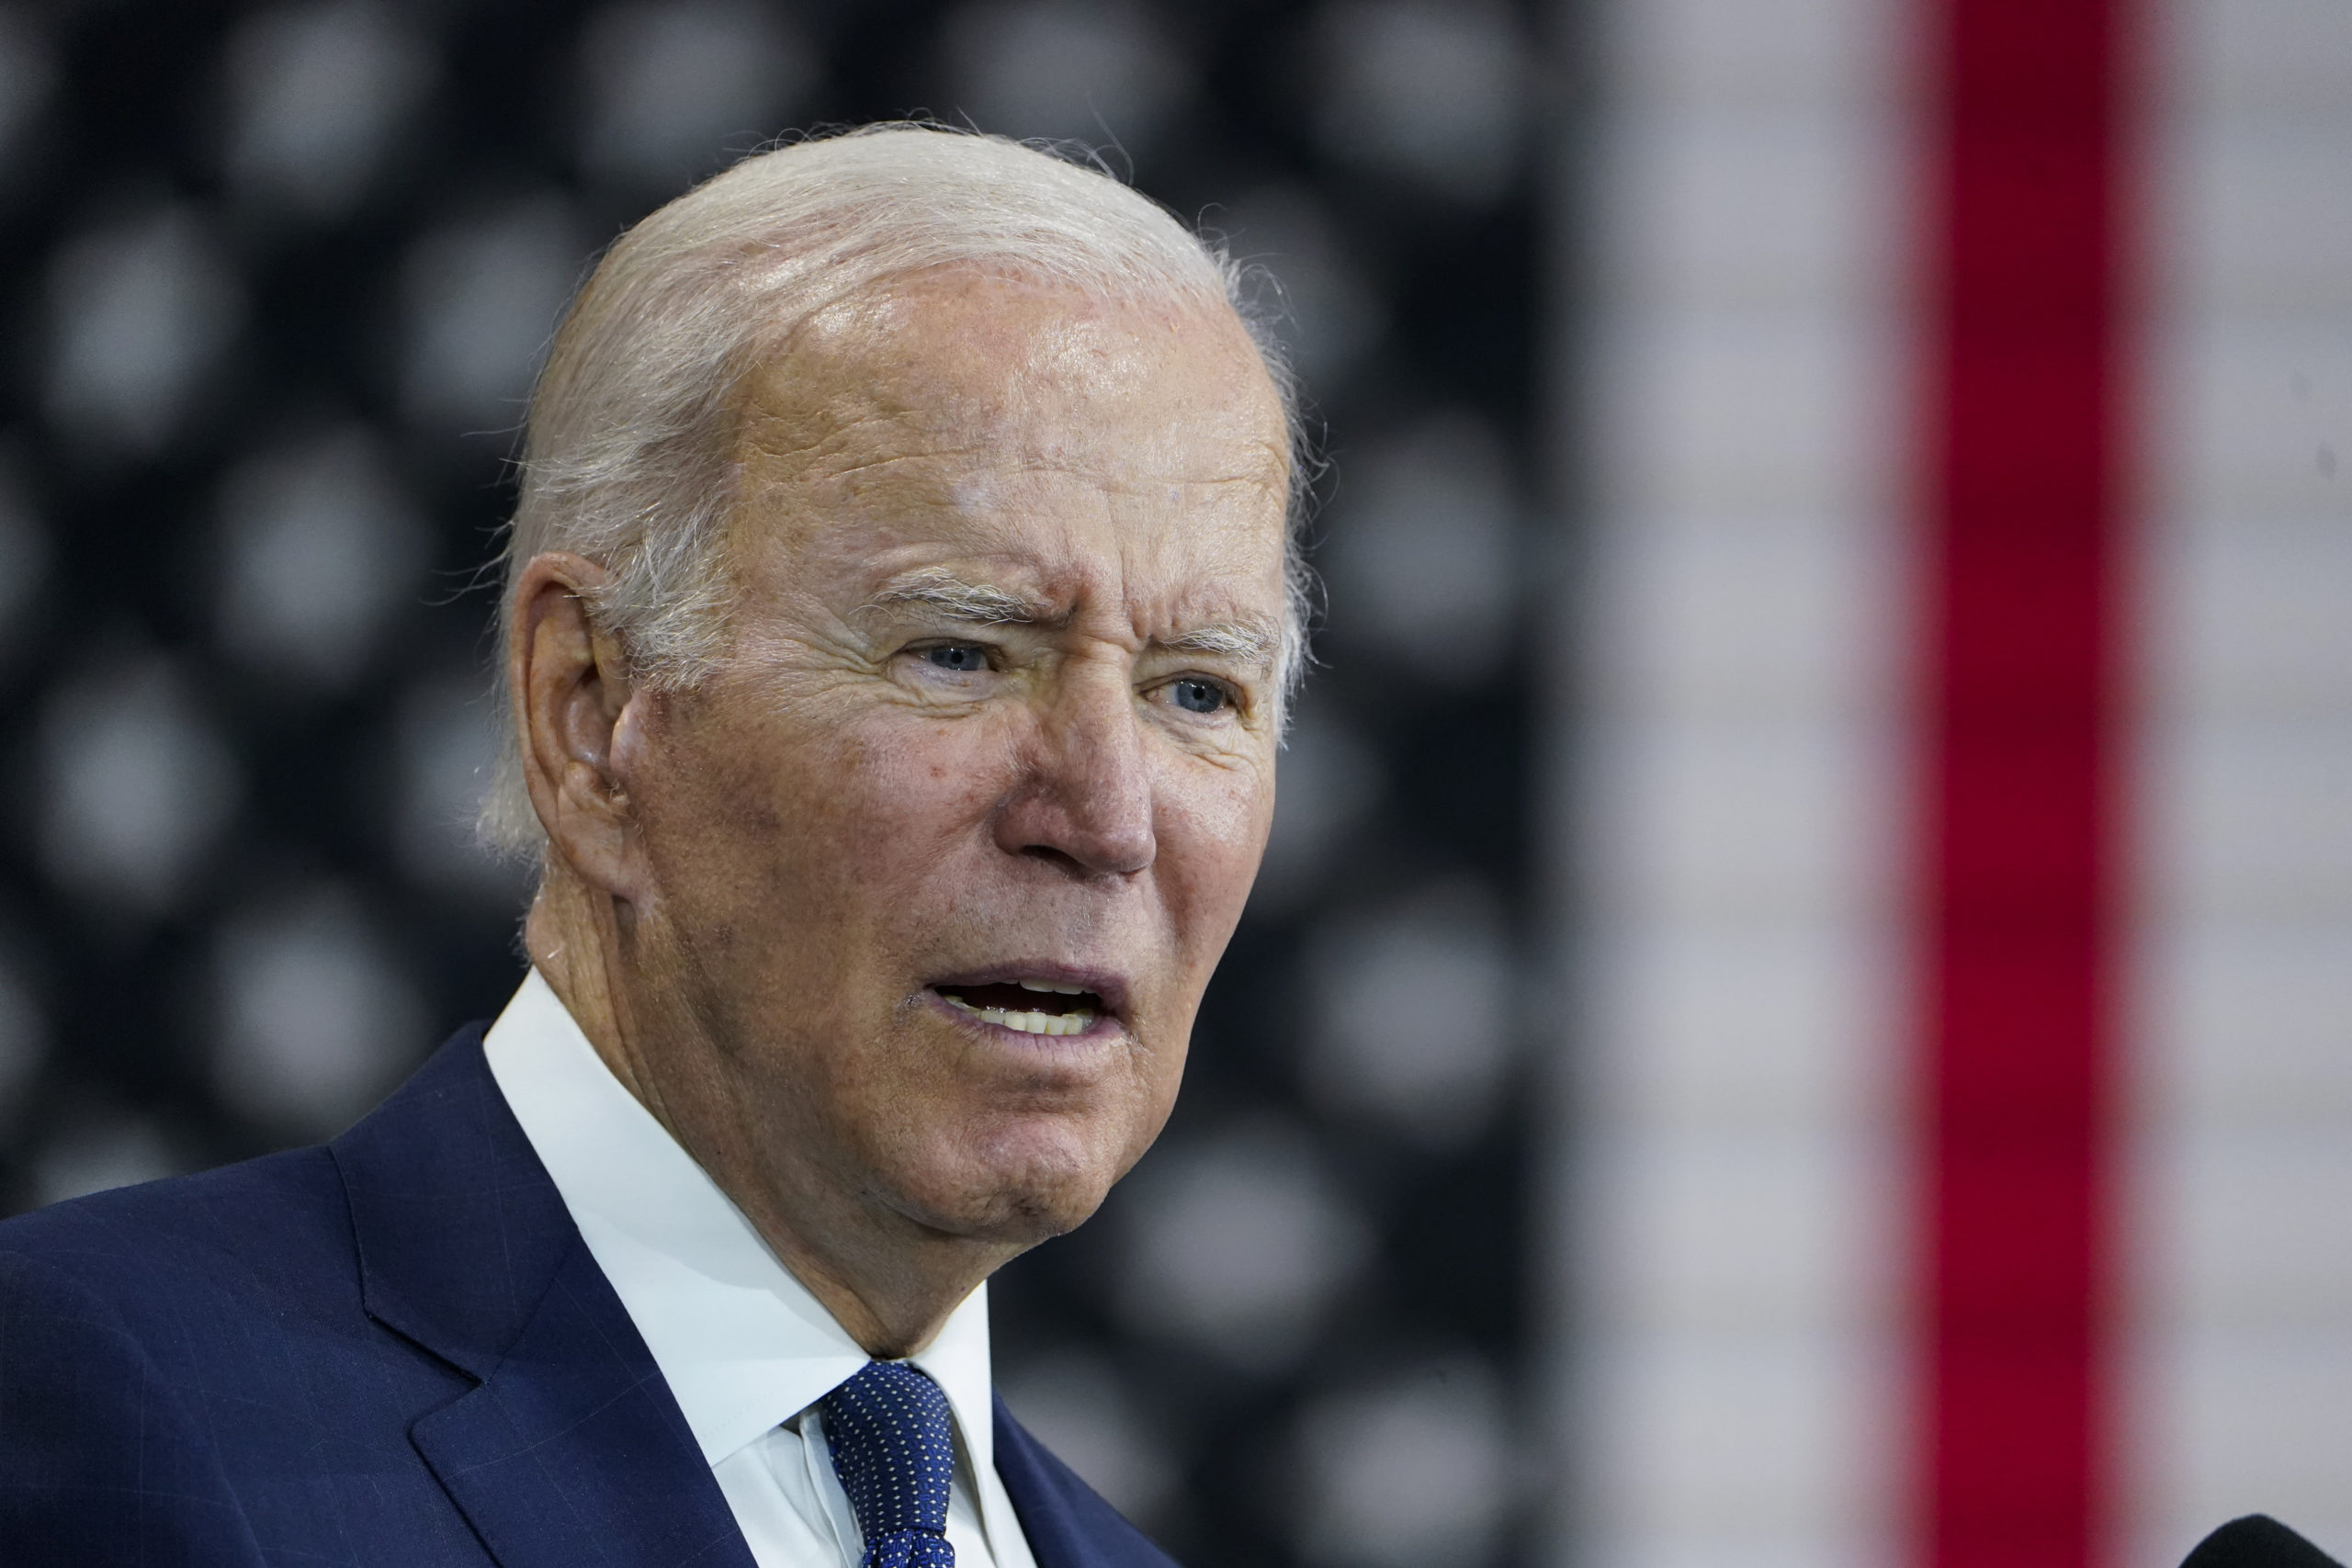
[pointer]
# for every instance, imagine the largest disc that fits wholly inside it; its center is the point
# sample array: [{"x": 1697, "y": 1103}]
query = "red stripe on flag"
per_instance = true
[{"x": 2019, "y": 736}]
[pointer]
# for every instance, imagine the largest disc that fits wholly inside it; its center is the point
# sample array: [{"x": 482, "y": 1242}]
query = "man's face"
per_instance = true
[{"x": 941, "y": 859}]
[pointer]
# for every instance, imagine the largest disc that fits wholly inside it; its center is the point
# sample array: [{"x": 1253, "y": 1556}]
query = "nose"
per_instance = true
[{"x": 1084, "y": 799}]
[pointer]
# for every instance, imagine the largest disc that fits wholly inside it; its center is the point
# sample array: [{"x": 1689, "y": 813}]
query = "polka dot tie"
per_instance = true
[{"x": 895, "y": 1451}]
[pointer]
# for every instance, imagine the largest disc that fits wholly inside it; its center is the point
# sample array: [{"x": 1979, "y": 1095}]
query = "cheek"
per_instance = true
[
  {"x": 919, "y": 780},
  {"x": 1213, "y": 837},
  {"x": 702, "y": 811},
  {"x": 866, "y": 820},
  {"x": 759, "y": 786}
]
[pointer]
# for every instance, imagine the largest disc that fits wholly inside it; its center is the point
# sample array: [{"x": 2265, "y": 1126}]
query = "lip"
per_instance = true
[
  {"x": 1110, "y": 987},
  {"x": 1065, "y": 1048}
]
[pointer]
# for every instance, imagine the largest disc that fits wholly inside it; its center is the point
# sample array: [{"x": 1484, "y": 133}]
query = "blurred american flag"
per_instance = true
[{"x": 1957, "y": 872}]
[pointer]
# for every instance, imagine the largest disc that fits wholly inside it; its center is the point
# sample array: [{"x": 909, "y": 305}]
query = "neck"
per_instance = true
[{"x": 888, "y": 1280}]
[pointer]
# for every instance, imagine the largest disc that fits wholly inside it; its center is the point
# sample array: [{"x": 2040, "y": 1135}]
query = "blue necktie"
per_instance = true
[{"x": 895, "y": 1451}]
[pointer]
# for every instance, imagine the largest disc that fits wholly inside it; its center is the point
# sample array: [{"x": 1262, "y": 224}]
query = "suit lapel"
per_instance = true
[
  {"x": 1066, "y": 1525},
  {"x": 571, "y": 1450}
]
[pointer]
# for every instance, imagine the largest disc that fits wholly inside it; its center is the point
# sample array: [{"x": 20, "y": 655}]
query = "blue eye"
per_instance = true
[
  {"x": 1199, "y": 696},
  {"x": 960, "y": 657}
]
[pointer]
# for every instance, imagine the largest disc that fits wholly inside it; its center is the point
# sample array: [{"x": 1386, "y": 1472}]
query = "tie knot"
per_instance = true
[{"x": 894, "y": 1448}]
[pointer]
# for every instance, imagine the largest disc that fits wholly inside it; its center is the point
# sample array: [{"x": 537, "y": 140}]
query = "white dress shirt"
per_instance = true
[{"x": 746, "y": 1349}]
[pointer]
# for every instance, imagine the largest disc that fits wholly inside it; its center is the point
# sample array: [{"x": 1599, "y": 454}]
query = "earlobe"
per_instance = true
[{"x": 572, "y": 691}]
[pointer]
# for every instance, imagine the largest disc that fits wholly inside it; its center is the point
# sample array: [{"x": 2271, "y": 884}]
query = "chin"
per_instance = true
[{"x": 1019, "y": 1189}]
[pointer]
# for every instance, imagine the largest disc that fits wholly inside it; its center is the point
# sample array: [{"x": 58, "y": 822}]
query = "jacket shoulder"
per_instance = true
[
  {"x": 189, "y": 1372},
  {"x": 104, "y": 1457},
  {"x": 282, "y": 1232},
  {"x": 278, "y": 1226}
]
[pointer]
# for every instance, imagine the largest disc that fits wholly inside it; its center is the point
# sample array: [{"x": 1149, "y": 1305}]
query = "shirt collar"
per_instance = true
[{"x": 743, "y": 1344}]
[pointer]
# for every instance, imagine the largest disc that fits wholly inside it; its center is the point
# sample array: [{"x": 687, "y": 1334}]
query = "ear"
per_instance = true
[{"x": 570, "y": 687}]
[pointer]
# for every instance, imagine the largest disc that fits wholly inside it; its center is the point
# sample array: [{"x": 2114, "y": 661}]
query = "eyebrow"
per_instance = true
[
  {"x": 1242, "y": 640},
  {"x": 982, "y": 603},
  {"x": 936, "y": 588}
]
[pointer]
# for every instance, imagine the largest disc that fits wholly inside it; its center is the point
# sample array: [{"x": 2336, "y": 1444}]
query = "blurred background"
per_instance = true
[
  {"x": 1565, "y": 1170},
  {"x": 278, "y": 276}
]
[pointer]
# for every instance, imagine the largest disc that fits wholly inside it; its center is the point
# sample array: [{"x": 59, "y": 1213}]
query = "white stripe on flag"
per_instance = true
[
  {"x": 2238, "y": 1377},
  {"x": 1732, "y": 1214}
]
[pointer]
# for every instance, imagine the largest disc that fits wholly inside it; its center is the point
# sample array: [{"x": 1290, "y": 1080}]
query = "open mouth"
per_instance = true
[{"x": 1028, "y": 1006}]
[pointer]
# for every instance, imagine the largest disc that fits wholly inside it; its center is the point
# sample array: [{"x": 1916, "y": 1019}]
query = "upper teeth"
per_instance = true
[
  {"x": 1075, "y": 1022},
  {"x": 1049, "y": 986}
]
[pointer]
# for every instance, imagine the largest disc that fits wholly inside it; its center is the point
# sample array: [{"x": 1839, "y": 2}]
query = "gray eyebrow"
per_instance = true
[
  {"x": 982, "y": 603},
  {"x": 1244, "y": 640}
]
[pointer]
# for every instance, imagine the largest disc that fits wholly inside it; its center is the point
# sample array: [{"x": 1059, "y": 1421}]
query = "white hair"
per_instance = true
[{"x": 628, "y": 455}]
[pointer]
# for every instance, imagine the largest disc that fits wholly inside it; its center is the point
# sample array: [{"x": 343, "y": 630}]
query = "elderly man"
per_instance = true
[{"x": 899, "y": 614}]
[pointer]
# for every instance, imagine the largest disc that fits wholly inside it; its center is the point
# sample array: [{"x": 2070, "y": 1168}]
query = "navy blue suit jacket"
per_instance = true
[{"x": 392, "y": 1350}]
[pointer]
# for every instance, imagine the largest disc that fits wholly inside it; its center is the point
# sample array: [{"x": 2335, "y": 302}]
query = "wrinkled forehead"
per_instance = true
[
  {"x": 1013, "y": 375},
  {"x": 1040, "y": 443}
]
